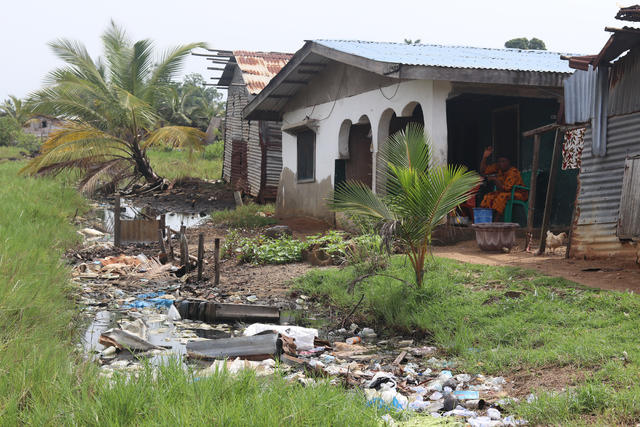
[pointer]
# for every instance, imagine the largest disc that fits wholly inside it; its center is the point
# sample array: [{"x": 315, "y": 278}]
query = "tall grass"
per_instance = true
[
  {"x": 175, "y": 164},
  {"x": 43, "y": 378}
]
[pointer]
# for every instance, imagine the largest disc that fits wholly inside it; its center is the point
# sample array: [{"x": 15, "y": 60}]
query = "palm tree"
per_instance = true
[
  {"x": 18, "y": 110},
  {"x": 420, "y": 194},
  {"x": 108, "y": 108}
]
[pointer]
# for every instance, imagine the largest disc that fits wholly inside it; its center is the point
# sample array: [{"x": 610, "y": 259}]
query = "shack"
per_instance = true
[
  {"x": 340, "y": 100},
  {"x": 252, "y": 149},
  {"x": 604, "y": 94}
]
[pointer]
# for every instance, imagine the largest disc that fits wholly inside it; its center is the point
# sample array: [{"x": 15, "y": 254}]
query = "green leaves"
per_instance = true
[{"x": 420, "y": 192}]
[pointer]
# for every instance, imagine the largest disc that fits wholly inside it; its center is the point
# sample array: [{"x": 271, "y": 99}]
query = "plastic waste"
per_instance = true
[
  {"x": 466, "y": 394},
  {"x": 353, "y": 340},
  {"x": 173, "y": 314},
  {"x": 303, "y": 337},
  {"x": 494, "y": 414}
]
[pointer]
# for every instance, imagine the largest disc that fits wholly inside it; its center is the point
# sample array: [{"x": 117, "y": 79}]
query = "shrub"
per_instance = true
[
  {"x": 250, "y": 215},
  {"x": 213, "y": 151}
]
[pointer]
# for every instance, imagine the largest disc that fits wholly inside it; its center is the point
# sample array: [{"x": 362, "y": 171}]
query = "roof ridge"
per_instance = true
[{"x": 441, "y": 45}]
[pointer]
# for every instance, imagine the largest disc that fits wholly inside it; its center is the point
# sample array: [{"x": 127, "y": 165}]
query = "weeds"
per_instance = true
[
  {"x": 468, "y": 311},
  {"x": 43, "y": 381},
  {"x": 175, "y": 164},
  {"x": 249, "y": 215}
]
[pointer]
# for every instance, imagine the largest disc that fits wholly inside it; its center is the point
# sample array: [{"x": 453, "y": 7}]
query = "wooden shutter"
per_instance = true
[{"x": 629, "y": 220}]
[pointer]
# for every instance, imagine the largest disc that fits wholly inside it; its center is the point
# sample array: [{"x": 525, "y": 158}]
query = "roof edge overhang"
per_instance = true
[
  {"x": 399, "y": 71},
  {"x": 620, "y": 41}
]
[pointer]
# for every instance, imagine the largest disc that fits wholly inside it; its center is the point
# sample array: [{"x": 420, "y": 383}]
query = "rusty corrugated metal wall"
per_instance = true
[
  {"x": 271, "y": 139},
  {"x": 600, "y": 180}
]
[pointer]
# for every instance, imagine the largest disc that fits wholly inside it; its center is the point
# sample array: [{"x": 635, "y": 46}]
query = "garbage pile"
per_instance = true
[{"x": 140, "y": 310}]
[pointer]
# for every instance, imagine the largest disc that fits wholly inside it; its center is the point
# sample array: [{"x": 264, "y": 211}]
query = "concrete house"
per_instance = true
[
  {"x": 252, "y": 151},
  {"x": 604, "y": 94},
  {"x": 339, "y": 100}
]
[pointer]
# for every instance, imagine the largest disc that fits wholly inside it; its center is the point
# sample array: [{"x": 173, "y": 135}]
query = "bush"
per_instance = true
[
  {"x": 11, "y": 135},
  {"x": 214, "y": 151}
]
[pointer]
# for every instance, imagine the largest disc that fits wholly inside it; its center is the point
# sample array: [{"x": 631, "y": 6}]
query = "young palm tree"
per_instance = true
[
  {"x": 108, "y": 109},
  {"x": 420, "y": 194},
  {"x": 18, "y": 110}
]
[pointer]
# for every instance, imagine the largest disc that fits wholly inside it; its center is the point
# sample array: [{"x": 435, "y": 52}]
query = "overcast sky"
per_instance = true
[{"x": 575, "y": 26}]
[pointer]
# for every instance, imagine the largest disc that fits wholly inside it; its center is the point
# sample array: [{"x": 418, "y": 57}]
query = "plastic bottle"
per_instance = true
[{"x": 353, "y": 340}]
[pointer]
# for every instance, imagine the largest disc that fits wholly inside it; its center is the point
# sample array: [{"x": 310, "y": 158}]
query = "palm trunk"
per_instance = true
[{"x": 143, "y": 166}]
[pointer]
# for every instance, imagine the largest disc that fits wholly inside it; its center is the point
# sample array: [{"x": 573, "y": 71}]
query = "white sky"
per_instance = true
[{"x": 575, "y": 26}]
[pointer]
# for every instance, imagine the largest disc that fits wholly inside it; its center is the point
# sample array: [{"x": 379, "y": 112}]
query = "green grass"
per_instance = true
[
  {"x": 44, "y": 380},
  {"x": 176, "y": 164},
  {"x": 11, "y": 152},
  {"x": 245, "y": 216},
  {"x": 554, "y": 323}
]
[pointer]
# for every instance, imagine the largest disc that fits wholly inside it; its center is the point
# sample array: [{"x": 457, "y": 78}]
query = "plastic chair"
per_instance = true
[{"x": 508, "y": 210}]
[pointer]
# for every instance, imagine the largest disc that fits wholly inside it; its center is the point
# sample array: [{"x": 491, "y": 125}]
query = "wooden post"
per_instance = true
[
  {"x": 200, "y": 254},
  {"x": 184, "y": 252},
  {"x": 535, "y": 163},
  {"x": 116, "y": 221},
  {"x": 170, "y": 243},
  {"x": 216, "y": 261},
  {"x": 551, "y": 187},
  {"x": 161, "y": 241}
]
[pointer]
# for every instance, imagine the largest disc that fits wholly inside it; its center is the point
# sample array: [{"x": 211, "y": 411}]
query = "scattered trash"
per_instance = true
[
  {"x": 173, "y": 313},
  {"x": 303, "y": 337},
  {"x": 466, "y": 394},
  {"x": 124, "y": 340},
  {"x": 258, "y": 347},
  {"x": 265, "y": 367}
]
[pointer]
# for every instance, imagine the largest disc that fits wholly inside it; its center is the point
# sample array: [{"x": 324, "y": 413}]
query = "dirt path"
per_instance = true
[{"x": 605, "y": 274}]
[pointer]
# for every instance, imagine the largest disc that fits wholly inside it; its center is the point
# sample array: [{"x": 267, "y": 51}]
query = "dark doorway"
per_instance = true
[
  {"x": 506, "y": 133},
  {"x": 359, "y": 165},
  {"x": 399, "y": 123}
]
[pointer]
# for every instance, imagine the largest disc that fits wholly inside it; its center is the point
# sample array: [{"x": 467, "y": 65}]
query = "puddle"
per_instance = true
[
  {"x": 172, "y": 219},
  {"x": 100, "y": 323}
]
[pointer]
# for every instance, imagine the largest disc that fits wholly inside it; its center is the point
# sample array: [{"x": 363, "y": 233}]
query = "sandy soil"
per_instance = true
[{"x": 605, "y": 273}]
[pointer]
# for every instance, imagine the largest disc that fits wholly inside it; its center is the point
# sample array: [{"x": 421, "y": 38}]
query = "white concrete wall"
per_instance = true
[{"x": 431, "y": 95}]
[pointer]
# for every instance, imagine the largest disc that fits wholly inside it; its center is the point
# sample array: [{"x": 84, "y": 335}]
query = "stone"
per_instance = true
[{"x": 278, "y": 231}]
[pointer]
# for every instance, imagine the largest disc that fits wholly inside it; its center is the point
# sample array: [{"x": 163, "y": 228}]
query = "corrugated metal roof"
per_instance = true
[
  {"x": 579, "y": 90},
  {"x": 453, "y": 56},
  {"x": 258, "y": 68}
]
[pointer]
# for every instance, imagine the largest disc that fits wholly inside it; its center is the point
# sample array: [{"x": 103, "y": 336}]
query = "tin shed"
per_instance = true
[
  {"x": 253, "y": 149},
  {"x": 604, "y": 95}
]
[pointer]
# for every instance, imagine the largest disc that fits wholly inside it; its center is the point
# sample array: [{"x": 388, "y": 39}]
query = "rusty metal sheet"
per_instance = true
[
  {"x": 139, "y": 230},
  {"x": 257, "y": 347},
  {"x": 598, "y": 206},
  {"x": 212, "y": 312},
  {"x": 258, "y": 68},
  {"x": 629, "y": 224}
]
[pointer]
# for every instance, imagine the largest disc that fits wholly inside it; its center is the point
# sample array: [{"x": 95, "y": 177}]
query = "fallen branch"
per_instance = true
[{"x": 353, "y": 310}]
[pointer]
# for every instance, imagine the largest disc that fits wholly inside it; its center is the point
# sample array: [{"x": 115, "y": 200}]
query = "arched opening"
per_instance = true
[
  {"x": 412, "y": 113},
  {"x": 358, "y": 166},
  {"x": 343, "y": 139}
]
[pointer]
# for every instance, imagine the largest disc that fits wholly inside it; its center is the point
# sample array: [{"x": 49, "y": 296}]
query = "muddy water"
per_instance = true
[{"x": 172, "y": 219}]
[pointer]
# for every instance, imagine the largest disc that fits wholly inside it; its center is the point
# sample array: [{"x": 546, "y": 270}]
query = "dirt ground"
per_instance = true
[{"x": 605, "y": 273}]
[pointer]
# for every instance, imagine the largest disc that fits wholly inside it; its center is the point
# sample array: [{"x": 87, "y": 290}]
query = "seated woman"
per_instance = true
[{"x": 504, "y": 177}]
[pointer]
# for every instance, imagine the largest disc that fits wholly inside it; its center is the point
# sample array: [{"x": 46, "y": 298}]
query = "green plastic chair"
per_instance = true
[{"x": 508, "y": 210}]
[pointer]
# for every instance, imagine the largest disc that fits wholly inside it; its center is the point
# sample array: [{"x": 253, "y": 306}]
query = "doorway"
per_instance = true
[
  {"x": 359, "y": 165},
  {"x": 505, "y": 127}
]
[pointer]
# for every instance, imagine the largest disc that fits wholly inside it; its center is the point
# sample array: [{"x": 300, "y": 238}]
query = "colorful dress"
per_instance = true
[{"x": 497, "y": 200}]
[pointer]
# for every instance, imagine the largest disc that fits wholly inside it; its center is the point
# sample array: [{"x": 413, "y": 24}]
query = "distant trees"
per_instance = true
[
  {"x": 17, "y": 110},
  {"x": 524, "y": 43},
  {"x": 190, "y": 102},
  {"x": 409, "y": 41}
]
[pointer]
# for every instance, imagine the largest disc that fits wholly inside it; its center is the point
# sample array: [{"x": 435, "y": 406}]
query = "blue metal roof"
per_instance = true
[{"x": 453, "y": 56}]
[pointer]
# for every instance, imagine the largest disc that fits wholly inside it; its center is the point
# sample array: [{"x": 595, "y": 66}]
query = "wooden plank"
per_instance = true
[
  {"x": 539, "y": 130},
  {"x": 551, "y": 187},
  {"x": 629, "y": 217},
  {"x": 116, "y": 221},
  {"x": 533, "y": 185},
  {"x": 139, "y": 230},
  {"x": 400, "y": 358}
]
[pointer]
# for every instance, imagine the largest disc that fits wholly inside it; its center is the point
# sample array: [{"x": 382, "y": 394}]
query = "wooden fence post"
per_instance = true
[
  {"x": 551, "y": 187},
  {"x": 200, "y": 254},
  {"x": 116, "y": 221},
  {"x": 216, "y": 261}
]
